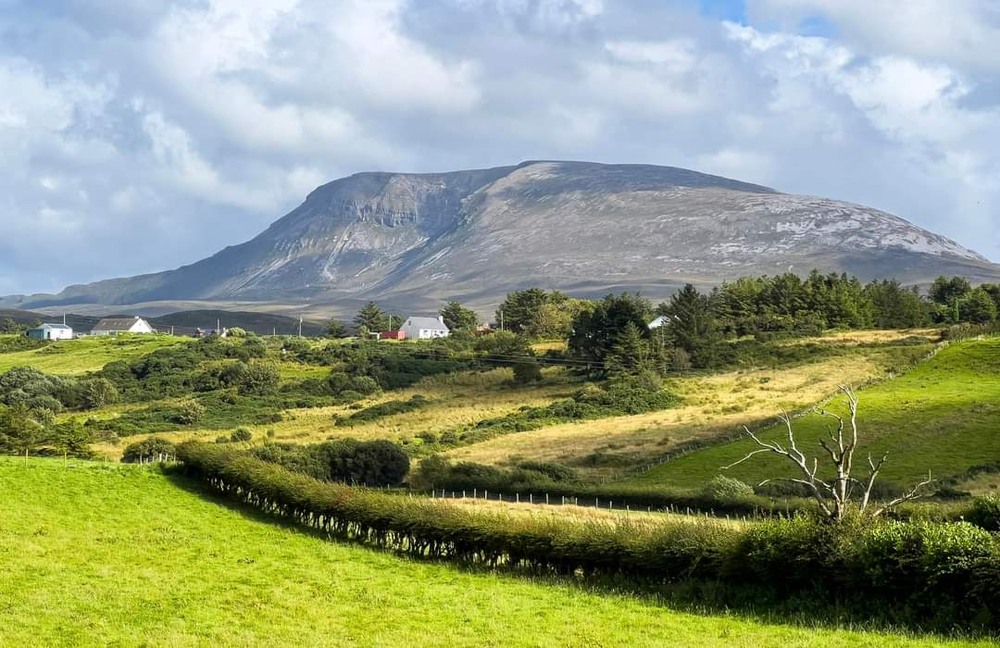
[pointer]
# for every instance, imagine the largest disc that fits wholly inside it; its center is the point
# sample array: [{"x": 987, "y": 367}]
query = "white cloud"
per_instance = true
[
  {"x": 960, "y": 32},
  {"x": 196, "y": 124}
]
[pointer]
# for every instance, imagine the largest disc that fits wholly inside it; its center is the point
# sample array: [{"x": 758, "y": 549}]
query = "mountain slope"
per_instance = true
[{"x": 414, "y": 239}]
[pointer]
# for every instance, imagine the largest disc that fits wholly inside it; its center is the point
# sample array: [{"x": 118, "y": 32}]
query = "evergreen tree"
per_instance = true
[
  {"x": 692, "y": 323},
  {"x": 336, "y": 329},
  {"x": 596, "y": 331},
  {"x": 458, "y": 318},
  {"x": 371, "y": 318},
  {"x": 977, "y": 307}
]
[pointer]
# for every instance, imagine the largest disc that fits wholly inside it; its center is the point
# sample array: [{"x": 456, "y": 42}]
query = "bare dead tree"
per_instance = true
[{"x": 833, "y": 495}]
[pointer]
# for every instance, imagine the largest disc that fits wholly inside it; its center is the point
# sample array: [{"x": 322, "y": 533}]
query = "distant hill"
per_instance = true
[{"x": 412, "y": 241}]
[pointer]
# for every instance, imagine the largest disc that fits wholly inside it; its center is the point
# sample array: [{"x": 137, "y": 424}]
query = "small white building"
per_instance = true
[
  {"x": 119, "y": 325},
  {"x": 424, "y": 328},
  {"x": 51, "y": 332},
  {"x": 662, "y": 320}
]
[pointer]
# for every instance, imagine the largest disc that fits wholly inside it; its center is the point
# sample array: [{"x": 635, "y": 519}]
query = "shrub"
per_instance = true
[
  {"x": 187, "y": 413},
  {"x": 151, "y": 449},
  {"x": 241, "y": 435},
  {"x": 724, "y": 488},
  {"x": 985, "y": 512},
  {"x": 99, "y": 392},
  {"x": 365, "y": 385},
  {"x": 527, "y": 371},
  {"x": 258, "y": 378}
]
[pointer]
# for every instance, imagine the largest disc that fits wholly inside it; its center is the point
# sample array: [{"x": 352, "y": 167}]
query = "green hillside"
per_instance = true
[
  {"x": 95, "y": 554},
  {"x": 75, "y": 357},
  {"x": 942, "y": 416}
]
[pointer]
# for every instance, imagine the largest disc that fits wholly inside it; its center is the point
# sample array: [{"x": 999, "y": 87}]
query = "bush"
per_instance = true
[
  {"x": 187, "y": 413},
  {"x": 985, "y": 512},
  {"x": 527, "y": 371},
  {"x": 99, "y": 392},
  {"x": 257, "y": 378},
  {"x": 241, "y": 435},
  {"x": 724, "y": 488},
  {"x": 151, "y": 449}
]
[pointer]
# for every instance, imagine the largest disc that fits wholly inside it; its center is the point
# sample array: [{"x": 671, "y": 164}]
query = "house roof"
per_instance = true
[
  {"x": 432, "y": 323},
  {"x": 60, "y": 327},
  {"x": 116, "y": 323}
]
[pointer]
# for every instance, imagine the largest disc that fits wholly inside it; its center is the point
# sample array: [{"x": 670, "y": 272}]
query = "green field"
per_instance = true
[
  {"x": 102, "y": 554},
  {"x": 76, "y": 357},
  {"x": 940, "y": 416}
]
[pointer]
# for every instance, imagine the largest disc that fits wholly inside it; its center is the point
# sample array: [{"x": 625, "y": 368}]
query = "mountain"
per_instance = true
[{"x": 413, "y": 240}]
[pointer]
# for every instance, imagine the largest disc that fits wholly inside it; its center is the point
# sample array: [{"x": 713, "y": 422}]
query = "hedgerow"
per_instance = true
[{"x": 940, "y": 575}]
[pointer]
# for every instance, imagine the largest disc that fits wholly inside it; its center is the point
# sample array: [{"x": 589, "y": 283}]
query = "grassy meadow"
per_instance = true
[
  {"x": 713, "y": 406},
  {"x": 104, "y": 554},
  {"x": 76, "y": 357},
  {"x": 941, "y": 416}
]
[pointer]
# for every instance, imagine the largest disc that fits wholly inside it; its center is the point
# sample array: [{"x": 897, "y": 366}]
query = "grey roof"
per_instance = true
[
  {"x": 116, "y": 324},
  {"x": 427, "y": 323},
  {"x": 61, "y": 327}
]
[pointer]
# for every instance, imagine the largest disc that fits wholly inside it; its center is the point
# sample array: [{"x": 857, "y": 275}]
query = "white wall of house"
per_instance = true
[
  {"x": 51, "y": 332},
  {"x": 424, "y": 328}
]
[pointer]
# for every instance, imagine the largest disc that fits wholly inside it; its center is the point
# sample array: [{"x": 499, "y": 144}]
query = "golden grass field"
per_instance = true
[
  {"x": 452, "y": 401},
  {"x": 712, "y": 406}
]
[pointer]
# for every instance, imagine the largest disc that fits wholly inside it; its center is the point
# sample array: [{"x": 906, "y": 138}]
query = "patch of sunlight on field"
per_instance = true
[
  {"x": 555, "y": 511},
  {"x": 854, "y": 338},
  {"x": 98, "y": 555},
  {"x": 453, "y": 400},
  {"x": 75, "y": 357},
  {"x": 713, "y": 406}
]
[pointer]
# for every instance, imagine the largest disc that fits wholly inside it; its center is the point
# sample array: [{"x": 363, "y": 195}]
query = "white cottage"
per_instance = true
[
  {"x": 118, "y": 325},
  {"x": 51, "y": 332},
  {"x": 424, "y": 328},
  {"x": 658, "y": 322}
]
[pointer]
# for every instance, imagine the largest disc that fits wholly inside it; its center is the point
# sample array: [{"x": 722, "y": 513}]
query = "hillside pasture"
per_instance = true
[
  {"x": 940, "y": 416},
  {"x": 452, "y": 400},
  {"x": 713, "y": 407},
  {"x": 77, "y": 357},
  {"x": 97, "y": 554}
]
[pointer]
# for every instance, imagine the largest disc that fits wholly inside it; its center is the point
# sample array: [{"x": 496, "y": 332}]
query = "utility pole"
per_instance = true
[
  {"x": 300, "y": 326},
  {"x": 501, "y": 319}
]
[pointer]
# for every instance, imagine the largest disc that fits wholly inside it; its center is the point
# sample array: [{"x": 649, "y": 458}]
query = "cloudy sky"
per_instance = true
[{"x": 138, "y": 135}]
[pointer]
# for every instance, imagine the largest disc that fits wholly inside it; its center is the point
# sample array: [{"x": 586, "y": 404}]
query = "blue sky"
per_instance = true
[{"x": 139, "y": 135}]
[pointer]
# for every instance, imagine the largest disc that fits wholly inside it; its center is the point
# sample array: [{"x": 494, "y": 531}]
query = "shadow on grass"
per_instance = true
[{"x": 706, "y": 598}]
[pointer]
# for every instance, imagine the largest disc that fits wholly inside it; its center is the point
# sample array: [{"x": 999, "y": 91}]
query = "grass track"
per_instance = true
[{"x": 102, "y": 554}]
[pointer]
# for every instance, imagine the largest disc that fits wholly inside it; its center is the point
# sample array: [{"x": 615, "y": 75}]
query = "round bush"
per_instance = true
[{"x": 724, "y": 488}]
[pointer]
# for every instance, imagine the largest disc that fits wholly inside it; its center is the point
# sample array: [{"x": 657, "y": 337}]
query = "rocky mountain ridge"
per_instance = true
[{"x": 414, "y": 240}]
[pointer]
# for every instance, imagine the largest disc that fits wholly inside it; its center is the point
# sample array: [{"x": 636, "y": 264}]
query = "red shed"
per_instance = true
[{"x": 392, "y": 335}]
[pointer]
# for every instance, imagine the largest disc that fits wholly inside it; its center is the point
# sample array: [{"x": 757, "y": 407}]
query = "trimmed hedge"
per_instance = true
[{"x": 945, "y": 576}]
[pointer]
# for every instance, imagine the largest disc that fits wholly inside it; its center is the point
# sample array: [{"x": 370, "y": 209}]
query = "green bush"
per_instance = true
[
  {"x": 241, "y": 435},
  {"x": 725, "y": 488},
  {"x": 187, "y": 413},
  {"x": 985, "y": 512}
]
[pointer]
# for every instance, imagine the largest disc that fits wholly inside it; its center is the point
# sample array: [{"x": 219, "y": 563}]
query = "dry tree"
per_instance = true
[{"x": 835, "y": 495}]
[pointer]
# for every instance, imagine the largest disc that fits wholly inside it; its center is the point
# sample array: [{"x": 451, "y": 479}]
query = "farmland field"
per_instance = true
[
  {"x": 75, "y": 357},
  {"x": 940, "y": 416},
  {"x": 103, "y": 554}
]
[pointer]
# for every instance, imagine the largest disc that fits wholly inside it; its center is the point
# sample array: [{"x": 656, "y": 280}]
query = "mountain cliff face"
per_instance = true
[{"x": 415, "y": 239}]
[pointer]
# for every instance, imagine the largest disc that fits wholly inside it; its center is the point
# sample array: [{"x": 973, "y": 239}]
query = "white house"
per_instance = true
[
  {"x": 658, "y": 322},
  {"x": 51, "y": 332},
  {"x": 424, "y": 328},
  {"x": 117, "y": 325}
]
